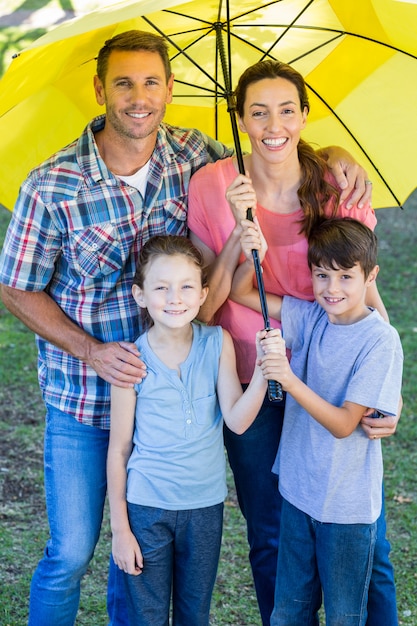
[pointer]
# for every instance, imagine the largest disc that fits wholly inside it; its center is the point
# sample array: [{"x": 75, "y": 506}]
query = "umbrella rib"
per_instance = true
[
  {"x": 182, "y": 51},
  {"x": 210, "y": 92},
  {"x": 362, "y": 149},
  {"x": 287, "y": 28},
  {"x": 338, "y": 33}
]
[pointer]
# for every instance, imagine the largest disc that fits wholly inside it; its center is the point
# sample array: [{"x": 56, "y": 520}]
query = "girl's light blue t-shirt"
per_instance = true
[{"x": 178, "y": 460}]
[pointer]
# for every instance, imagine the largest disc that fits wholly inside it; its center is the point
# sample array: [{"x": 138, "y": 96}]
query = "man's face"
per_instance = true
[{"x": 135, "y": 93}]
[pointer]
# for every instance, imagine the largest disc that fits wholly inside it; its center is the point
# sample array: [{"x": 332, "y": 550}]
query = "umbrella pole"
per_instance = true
[{"x": 274, "y": 388}]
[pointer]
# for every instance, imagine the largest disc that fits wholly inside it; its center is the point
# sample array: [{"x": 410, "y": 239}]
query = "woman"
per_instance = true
[{"x": 288, "y": 185}]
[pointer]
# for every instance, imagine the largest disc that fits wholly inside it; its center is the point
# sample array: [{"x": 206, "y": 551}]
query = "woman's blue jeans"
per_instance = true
[
  {"x": 75, "y": 490},
  {"x": 251, "y": 457},
  {"x": 335, "y": 558}
]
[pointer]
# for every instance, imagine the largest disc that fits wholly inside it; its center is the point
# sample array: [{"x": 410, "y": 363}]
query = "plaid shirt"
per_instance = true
[{"x": 76, "y": 232}]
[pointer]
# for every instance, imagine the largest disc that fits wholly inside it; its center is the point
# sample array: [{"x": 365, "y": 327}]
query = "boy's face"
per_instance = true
[{"x": 342, "y": 292}]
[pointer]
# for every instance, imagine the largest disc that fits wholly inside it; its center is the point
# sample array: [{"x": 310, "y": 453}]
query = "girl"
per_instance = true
[{"x": 166, "y": 465}]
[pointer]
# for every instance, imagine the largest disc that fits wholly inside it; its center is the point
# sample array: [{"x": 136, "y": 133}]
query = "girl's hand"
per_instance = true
[
  {"x": 126, "y": 553},
  {"x": 252, "y": 238},
  {"x": 241, "y": 196},
  {"x": 273, "y": 362}
]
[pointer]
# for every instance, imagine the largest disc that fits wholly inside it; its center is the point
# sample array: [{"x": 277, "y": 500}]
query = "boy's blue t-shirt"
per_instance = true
[{"x": 330, "y": 479}]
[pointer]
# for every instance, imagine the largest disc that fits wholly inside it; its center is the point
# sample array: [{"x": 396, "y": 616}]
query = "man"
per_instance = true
[{"x": 67, "y": 265}]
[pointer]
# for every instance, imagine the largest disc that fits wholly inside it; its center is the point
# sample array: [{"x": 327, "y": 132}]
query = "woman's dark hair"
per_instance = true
[
  {"x": 133, "y": 40},
  {"x": 314, "y": 191},
  {"x": 168, "y": 245},
  {"x": 341, "y": 243}
]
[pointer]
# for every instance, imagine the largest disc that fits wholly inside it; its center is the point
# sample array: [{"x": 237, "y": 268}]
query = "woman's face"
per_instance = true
[{"x": 273, "y": 119}]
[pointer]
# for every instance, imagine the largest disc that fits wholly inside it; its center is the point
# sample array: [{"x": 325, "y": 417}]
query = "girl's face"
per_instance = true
[
  {"x": 172, "y": 291},
  {"x": 273, "y": 119}
]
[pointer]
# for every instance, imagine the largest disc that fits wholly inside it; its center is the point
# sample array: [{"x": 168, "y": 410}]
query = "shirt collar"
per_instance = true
[{"x": 92, "y": 166}]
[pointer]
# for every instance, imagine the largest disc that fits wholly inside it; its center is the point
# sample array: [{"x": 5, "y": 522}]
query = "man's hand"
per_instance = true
[
  {"x": 379, "y": 427},
  {"x": 117, "y": 362},
  {"x": 351, "y": 178}
]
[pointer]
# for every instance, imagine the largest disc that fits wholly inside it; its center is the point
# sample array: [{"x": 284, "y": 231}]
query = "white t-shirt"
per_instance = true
[{"x": 139, "y": 179}]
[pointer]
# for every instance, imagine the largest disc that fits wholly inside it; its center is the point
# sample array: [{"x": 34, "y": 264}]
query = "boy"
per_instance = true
[{"x": 345, "y": 358}]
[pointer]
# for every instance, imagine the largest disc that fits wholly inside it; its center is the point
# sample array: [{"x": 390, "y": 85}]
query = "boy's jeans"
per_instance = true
[{"x": 314, "y": 556}]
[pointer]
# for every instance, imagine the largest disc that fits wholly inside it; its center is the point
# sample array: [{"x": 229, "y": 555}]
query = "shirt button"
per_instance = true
[{"x": 188, "y": 421}]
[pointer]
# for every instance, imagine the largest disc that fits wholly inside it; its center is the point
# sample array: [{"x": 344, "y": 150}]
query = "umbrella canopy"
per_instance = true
[{"x": 359, "y": 59}]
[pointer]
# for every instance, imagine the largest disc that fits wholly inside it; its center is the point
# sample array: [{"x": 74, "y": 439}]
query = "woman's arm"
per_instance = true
[
  {"x": 243, "y": 290},
  {"x": 387, "y": 425},
  {"x": 374, "y": 300},
  {"x": 125, "y": 548},
  {"x": 220, "y": 272},
  {"x": 240, "y": 195}
]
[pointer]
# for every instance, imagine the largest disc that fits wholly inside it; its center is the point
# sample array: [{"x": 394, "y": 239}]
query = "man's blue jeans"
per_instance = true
[
  {"x": 313, "y": 556},
  {"x": 75, "y": 489},
  {"x": 251, "y": 457}
]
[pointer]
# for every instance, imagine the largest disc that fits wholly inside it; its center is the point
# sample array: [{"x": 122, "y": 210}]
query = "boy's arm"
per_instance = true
[
  {"x": 339, "y": 421},
  {"x": 126, "y": 552}
]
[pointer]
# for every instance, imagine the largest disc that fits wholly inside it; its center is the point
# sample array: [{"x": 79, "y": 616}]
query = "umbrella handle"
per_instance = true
[{"x": 274, "y": 387}]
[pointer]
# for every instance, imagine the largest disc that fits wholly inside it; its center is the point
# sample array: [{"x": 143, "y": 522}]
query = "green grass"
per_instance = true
[{"x": 23, "y": 529}]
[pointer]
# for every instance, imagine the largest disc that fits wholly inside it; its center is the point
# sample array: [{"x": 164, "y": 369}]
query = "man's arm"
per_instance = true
[
  {"x": 117, "y": 363},
  {"x": 349, "y": 175}
]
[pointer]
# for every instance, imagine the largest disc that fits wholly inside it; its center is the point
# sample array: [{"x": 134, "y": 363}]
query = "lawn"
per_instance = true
[{"x": 24, "y": 528}]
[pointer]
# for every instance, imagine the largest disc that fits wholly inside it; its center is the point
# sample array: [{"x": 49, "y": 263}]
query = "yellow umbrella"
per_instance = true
[{"x": 358, "y": 58}]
